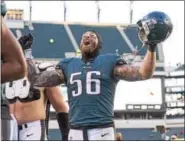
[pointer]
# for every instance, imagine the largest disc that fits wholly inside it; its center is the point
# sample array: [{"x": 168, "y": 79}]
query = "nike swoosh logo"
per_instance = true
[
  {"x": 29, "y": 135},
  {"x": 104, "y": 134}
]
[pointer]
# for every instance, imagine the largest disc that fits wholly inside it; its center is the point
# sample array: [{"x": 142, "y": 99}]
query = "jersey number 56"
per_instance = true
[{"x": 89, "y": 83}]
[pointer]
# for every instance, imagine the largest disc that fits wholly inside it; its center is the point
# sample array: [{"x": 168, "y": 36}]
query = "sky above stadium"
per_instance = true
[{"x": 112, "y": 12}]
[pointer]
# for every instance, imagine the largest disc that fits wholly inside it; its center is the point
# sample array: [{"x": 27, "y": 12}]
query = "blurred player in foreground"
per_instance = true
[
  {"x": 92, "y": 79},
  {"x": 13, "y": 66},
  {"x": 28, "y": 104}
]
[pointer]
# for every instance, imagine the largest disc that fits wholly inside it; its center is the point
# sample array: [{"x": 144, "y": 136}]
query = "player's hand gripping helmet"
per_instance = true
[{"x": 155, "y": 27}]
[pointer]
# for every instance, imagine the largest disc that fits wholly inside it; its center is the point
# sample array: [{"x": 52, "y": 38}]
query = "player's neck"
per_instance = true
[
  {"x": 86, "y": 59},
  {"x": 91, "y": 57}
]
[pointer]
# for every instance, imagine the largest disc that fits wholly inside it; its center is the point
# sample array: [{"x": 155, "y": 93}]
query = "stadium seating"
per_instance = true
[
  {"x": 42, "y": 48},
  {"x": 112, "y": 39}
]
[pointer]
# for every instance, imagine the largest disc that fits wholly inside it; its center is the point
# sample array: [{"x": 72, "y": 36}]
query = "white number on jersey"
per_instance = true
[{"x": 89, "y": 82}]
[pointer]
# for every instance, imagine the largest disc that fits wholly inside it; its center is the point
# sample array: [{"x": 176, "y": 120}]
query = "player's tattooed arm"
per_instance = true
[
  {"x": 32, "y": 69},
  {"x": 45, "y": 78},
  {"x": 49, "y": 78},
  {"x": 132, "y": 73},
  {"x": 127, "y": 72}
]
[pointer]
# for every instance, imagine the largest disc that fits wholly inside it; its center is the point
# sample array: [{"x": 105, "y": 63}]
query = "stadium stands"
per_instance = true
[
  {"x": 62, "y": 43},
  {"x": 42, "y": 48}
]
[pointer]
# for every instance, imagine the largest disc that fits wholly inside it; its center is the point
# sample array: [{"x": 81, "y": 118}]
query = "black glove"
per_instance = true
[
  {"x": 26, "y": 41},
  {"x": 151, "y": 46}
]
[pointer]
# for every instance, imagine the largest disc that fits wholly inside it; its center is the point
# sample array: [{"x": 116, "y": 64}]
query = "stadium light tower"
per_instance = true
[
  {"x": 98, "y": 10},
  {"x": 30, "y": 6},
  {"x": 131, "y": 11},
  {"x": 65, "y": 10}
]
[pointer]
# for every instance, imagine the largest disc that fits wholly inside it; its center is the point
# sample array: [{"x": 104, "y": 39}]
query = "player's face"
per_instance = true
[{"x": 89, "y": 43}]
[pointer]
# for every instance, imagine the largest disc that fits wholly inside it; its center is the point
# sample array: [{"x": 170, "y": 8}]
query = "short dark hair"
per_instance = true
[{"x": 100, "y": 41}]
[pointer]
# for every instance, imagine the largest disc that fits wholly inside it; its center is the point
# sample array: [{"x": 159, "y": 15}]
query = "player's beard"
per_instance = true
[{"x": 90, "y": 55}]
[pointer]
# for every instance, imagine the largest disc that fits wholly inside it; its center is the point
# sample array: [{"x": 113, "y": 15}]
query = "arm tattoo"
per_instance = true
[
  {"x": 32, "y": 69},
  {"x": 128, "y": 73},
  {"x": 145, "y": 71},
  {"x": 48, "y": 79},
  {"x": 45, "y": 78}
]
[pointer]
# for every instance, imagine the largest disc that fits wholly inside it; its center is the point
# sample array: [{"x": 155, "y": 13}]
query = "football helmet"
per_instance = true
[{"x": 155, "y": 27}]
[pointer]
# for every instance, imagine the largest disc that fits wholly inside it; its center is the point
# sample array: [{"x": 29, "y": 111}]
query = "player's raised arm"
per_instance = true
[
  {"x": 154, "y": 28},
  {"x": 145, "y": 71},
  {"x": 14, "y": 65},
  {"x": 48, "y": 78},
  {"x": 44, "y": 79}
]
